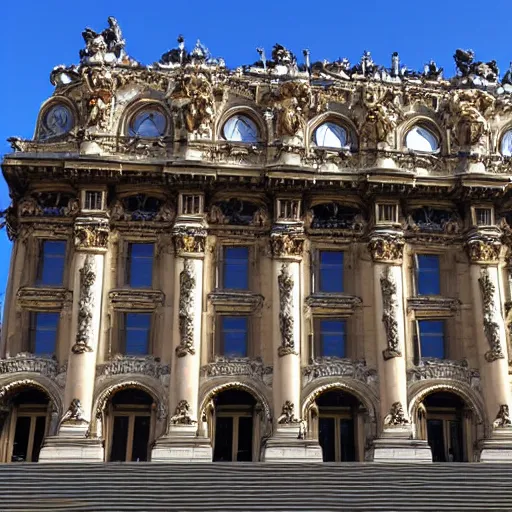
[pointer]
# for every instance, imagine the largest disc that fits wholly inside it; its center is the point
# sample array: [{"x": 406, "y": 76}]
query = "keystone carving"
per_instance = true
[
  {"x": 491, "y": 328},
  {"x": 396, "y": 416},
  {"x": 85, "y": 306},
  {"x": 186, "y": 310},
  {"x": 181, "y": 414},
  {"x": 483, "y": 250},
  {"x": 286, "y": 320},
  {"x": 503, "y": 418},
  {"x": 390, "y": 305},
  {"x": 389, "y": 249}
]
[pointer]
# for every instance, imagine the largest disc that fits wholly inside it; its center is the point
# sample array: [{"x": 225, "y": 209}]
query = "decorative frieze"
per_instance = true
[
  {"x": 286, "y": 317},
  {"x": 189, "y": 241},
  {"x": 237, "y": 366},
  {"x": 491, "y": 328},
  {"x": 396, "y": 416},
  {"x": 25, "y": 362},
  {"x": 91, "y": 234},
  {"x": 389, "y": 314},
  {"x": 182, "y": 414},
  {"x": 286, "y": 245},
  {"x": 186, "y": 310},
  {"x": 120, "y": 364},
  {"x": 445, "y": 369},
  {"x": 483, "y": 250},
  {"x": 85, "y": 306},
  {"x": 337, "y": 367},
  {"x": 387, "y": 249},
  {"x": 503, "y": 418}
]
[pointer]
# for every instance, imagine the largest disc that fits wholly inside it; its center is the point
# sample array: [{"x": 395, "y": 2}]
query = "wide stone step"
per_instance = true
[{"x": 255, "y": 487}]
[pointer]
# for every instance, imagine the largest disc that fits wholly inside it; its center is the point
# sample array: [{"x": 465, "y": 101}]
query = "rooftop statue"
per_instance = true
[
  {"x": 199, "y": 56},
  {"x": 477, "y": 73},
  {"x": 283, "y": 63}
]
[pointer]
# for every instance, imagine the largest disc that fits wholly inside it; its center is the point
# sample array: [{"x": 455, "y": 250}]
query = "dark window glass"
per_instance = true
[
  {"x": 140, "y": 265},
  {"x": 38, "y": 437},
  {"x": 435, "y": 434},
  {"x": 326, "y": 438},
  {"x": 119, "y": 439},
  {"x": 429, "y": 278},
  {"x": 432, "y": 338},
  {"x": 244, "y": 439},
  {"x": 21, "y": 434},
  {"x": 236, "y": 268},
  {"x": 223, "y": 451},
  {"x": 93, "y": 200},
  {"x": 140, "y": 438},
  {"x": 347, "y": 442},
  {"x": 234, "y": 336},
  {"x": 51, "y": 263},
  {"x": 483, "y": 216},
  {"x": 331, "y": 271},
  {"x": 332, "y": 338},
  {"x": 137, "y": 329},
  {"x": 44, "y": 332}
]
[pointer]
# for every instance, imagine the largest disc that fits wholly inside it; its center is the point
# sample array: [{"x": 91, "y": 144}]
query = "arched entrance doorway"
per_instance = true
[
  {"x": 445, "y": 421},
  {"x": 130, "y": 419},
  {"x": 27, "y": 418},
  {"x": 235, "y": 420},
  {"x": 337, "y": 420}
]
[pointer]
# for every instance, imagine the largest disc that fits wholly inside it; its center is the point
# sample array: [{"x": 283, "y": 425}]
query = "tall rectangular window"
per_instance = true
[
  {"x": 331, "y": 271},
  {"x": 235, "y": 274},
  {"x": 234, "y": 336},
  {"x": 43, "y": 333},
  {"x": 428, "y": 277},
  {"x": 137, "y": 328},
  {"x": 432, "y": 343},
  {"x": 140, "y": 265},
  {"x": 51, "y": 263},
  {"x": 332, "y": 338}
]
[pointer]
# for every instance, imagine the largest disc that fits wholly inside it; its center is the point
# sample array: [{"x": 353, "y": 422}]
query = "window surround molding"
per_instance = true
[
  {"x": 242, "y": 110},
  {"x": 139, "y": 104},
  {"x": 136, "y": 299},
  {"x": 44, "y": 299},
  {"x": 128, "y": 237},
  {"x": 336, "y": 118}
]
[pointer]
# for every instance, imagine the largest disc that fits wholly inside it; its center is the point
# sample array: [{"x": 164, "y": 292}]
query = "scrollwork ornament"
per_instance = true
[
  {"x": 286, "y": 320},
  {"x": 390, "y": 305},
  {"x": 186, "y": 310},
  {"x": 491, "y": 328},
  {"x": 386, "y": 249},
  {"x": 85, "y": 306}
]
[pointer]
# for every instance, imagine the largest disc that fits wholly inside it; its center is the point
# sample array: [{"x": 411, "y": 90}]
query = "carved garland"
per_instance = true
[
  {"x": 186, "y": 310},
  {"x": 389, "y": 302},
  {"x": 491, "y": 328},
  {"x": 85, "y": 306},
  {"x": 286, "y": 320}
]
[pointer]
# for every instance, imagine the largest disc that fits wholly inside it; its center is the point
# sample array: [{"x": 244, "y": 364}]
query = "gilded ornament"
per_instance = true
[
  {"x": 483, "y": 250},
  {"x": 91, "y": 236}
]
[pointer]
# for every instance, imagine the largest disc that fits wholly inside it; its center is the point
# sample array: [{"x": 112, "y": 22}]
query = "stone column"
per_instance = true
[
  {"x": 395, "y": 443},
  {"x": 484, "y": 251},
  {"x": 181, "y": 443},
  {"x": 74, "y": 440},
  {"x": 289, "y": 443}
]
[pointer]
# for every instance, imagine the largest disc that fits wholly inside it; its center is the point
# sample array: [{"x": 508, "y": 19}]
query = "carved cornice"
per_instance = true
[
  {"x": 85, "y": 306},
  {"x": 186, "y": 310},
  {"x": 386, "y": 248},
  {"x": 286, "y": 315},
  {"x": 491, "y": 327},
  {"x": 430, "y": 304},
  {"x": 336, "y": 367},
  {"x": 91, "y": 234},
  {"x": 188, "y": 240},
  {"x": 32, "y": 297},
  {"x": 483, "y": 249},
  {"x": 237, "y": 366},
  {"x": 445, "y": 369},
  {"x": 130, "y": 298},
  {"x": 26, "y": 362},
  {"x": 389, "y": 314},
  {"x": 121, "y": 365},
  {"x": 341, "y": 303},
  {"x": 246, "y": 301}
]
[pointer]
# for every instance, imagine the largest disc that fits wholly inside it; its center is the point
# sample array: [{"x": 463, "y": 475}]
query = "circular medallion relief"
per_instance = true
[
  {"x": 58, "y": 120},
  {"x": 148, "y": 123},
  {"x": 240, "y": 128}
]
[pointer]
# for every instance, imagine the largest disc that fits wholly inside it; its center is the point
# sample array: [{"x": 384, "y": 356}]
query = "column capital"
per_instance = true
[
  {"x": 287, "y": 243},
  {"x": 483, "y": 248},
  {"x": 189, "y": 240},
  {"x": 387, "y": 246},
  {"x": 91, "y": 234}
]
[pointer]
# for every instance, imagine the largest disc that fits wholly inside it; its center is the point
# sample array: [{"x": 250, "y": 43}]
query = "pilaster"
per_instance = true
[
  {"x": 395, "y": 442},
  {"x": 73, "y": 441},
  {"x": 484, "y": 251}
]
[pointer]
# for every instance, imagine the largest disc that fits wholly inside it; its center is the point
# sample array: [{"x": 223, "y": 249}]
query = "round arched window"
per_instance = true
[
  {"x": 506, "y": 144},
  {"x": 419, "y": 138},
  {"x": 240, "y": 128},
  {"x": 331, "y": 135},
  {"x": 58, "y": 120},
  {"x": 148, "y": 122}
]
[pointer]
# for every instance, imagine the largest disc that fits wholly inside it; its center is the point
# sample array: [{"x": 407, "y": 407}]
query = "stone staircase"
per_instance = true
[{"x": 255, "y": 487}]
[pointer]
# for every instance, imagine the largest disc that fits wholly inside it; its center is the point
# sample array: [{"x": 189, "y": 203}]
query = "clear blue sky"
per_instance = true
[{"x": 37, "y": 35}]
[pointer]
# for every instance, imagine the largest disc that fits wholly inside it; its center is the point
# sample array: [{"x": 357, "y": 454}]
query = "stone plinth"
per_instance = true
[
  {"x": 499, "y": 447},
  {"x": 182, "y": 445},
  {"x": 287, "y": 445},
  {"x": 396, "y": 445},
  {"x": 70, "y": 448}
]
